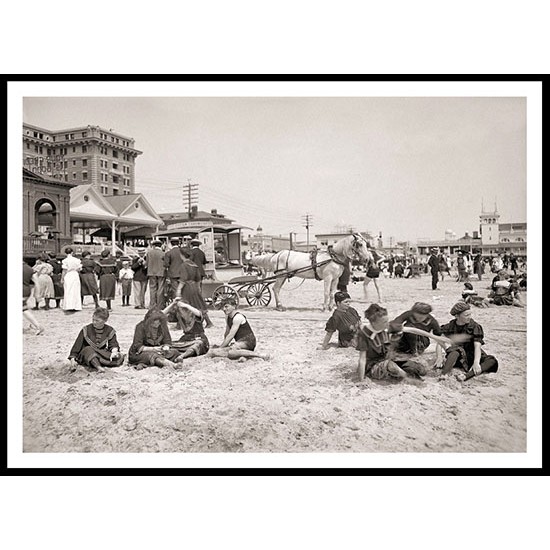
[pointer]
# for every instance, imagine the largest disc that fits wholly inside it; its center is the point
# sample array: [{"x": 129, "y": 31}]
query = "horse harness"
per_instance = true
[{"x": 313, "y": 260}]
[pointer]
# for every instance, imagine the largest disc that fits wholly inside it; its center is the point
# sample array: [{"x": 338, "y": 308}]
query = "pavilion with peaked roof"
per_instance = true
[{"x": 111, "y": 216}]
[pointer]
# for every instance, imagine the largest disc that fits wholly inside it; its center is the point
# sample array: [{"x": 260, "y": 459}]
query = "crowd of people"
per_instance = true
[{"x": 388, "y": 349}]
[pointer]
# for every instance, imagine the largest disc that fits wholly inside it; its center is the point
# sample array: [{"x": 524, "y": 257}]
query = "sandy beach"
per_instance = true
[{"x": 303, "y": 400}]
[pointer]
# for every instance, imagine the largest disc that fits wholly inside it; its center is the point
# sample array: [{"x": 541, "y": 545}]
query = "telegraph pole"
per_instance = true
[
  {"x": 307, "y": 222},
  {"x": 190, "y": 195}
]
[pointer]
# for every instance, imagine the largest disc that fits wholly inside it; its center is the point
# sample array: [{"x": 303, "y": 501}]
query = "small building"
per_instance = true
[
  {"x": 46, "y": 214},
  {"x": 220, "y": 236}
]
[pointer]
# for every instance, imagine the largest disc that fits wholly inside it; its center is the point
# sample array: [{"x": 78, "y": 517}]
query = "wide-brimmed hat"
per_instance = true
[{"x": 195, "y": 241}]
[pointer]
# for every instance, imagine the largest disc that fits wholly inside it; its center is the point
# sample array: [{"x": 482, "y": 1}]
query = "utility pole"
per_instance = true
[
  {"x": 190, "y": 195},
  {"x": 307, "y": 222}
]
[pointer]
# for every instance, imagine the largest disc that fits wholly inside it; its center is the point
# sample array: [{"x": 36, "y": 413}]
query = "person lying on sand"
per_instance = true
[
  {"x": 239, "y": 340},
  {"x": 345, "y": 320},
  {"x": 96, "y": 344},
  {"x": 467, "y": 355},
  {"x": 470, "y": 296}
]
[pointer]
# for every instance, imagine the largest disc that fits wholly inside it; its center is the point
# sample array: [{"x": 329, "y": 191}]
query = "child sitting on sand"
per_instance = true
[
  {"x": 193, "y": 341},
  {"x": 467, "y": 354},
  {"x": 96, "y": 344},
  {"x": 239, "y": 340},
  {"x": 377, "y": 341},
  {"x": 152, "y": 345},
  {"x": 345, "y": 320}
]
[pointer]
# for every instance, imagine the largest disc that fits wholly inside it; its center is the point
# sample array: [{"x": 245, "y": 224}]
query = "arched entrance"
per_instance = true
[{"x": 45, "y": 214}]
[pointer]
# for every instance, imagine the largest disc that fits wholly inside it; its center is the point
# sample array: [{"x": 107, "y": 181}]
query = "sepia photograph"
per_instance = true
[{"x": 275, "y": 274}]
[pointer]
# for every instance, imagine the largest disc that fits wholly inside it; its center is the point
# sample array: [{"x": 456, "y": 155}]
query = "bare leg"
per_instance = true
[
  {"x": 238, "y": 353},
  {"x": 32, "y": 320},
  {"x": 365, "y": 285},
  {"x": 377, "y": 289}
]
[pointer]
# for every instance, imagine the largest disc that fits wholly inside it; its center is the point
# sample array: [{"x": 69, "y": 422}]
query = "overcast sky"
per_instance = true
[{"x": 410, "y": 167}]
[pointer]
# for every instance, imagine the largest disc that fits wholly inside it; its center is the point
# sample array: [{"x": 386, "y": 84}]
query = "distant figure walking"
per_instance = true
[{"x": 433, "y": 263}]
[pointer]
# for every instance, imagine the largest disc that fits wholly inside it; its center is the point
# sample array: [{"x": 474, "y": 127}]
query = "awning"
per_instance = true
[{"x": 218, "y": 228}]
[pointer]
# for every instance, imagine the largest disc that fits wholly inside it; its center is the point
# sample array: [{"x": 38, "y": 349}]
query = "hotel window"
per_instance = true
[
  {"x": 66, "y": 177},
  {"x": 67, "y": 136},
  {"x": 72, "y": 136},
  {"x": 84, "y": 134},
  {"x": 115, "y": 165},
  {"x": 74, "y": 162},
  {"x": 84, "y": 149},
  {"x": 115, "y": 179},
  {"x": 126, "y": 192},
  {"x": 85, "y": 176},
  {"x": 115, "y": 191},
  {"x": 74, "y": 175},
  {"x": 115, "y": 154},
  {"x": 104, "y": 189},
  {"x": 28, "y": 145},
  {"x": 84, "y": 162}
]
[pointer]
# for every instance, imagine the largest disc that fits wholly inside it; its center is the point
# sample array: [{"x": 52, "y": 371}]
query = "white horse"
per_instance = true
[{"x": 325, "y": 266}]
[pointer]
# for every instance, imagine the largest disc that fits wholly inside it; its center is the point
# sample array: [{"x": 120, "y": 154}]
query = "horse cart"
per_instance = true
[{"x": 252, "y": 288}]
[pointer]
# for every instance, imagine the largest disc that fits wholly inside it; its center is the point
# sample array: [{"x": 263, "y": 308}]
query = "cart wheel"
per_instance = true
[
  {"x": 221, "y": 293},
  {"x": 258, "y": 294}
]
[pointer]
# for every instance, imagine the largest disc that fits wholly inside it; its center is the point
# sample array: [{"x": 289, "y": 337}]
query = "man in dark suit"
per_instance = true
[
  {"x": 433, "y": 262},
  {"x": 173, "y": 261},
  {"x": 198, "y": 256}
]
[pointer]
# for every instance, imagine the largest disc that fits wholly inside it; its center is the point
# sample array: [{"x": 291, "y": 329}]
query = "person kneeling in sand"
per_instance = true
[
  {"x": 467, "y": 355},
  {"x": 239, "y": 340},
  {"x": 345, "y": 320},
  {"x": 152, "y": 345},
  {"x": 193, "y": 342},
  {"x": 96, "y": 344}
]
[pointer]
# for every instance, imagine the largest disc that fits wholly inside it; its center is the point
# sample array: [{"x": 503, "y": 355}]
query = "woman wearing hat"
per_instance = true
[
  {"x": 345, "y": 320},
  {"x": 467, "y": 355}
]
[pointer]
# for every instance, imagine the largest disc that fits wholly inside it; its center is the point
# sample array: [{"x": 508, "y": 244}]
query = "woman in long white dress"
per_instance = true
[{"x": 72, "y": 301}]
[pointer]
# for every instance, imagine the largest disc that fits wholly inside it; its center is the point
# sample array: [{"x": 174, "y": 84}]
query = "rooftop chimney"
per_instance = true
[{"x": 214, "y": 211}]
